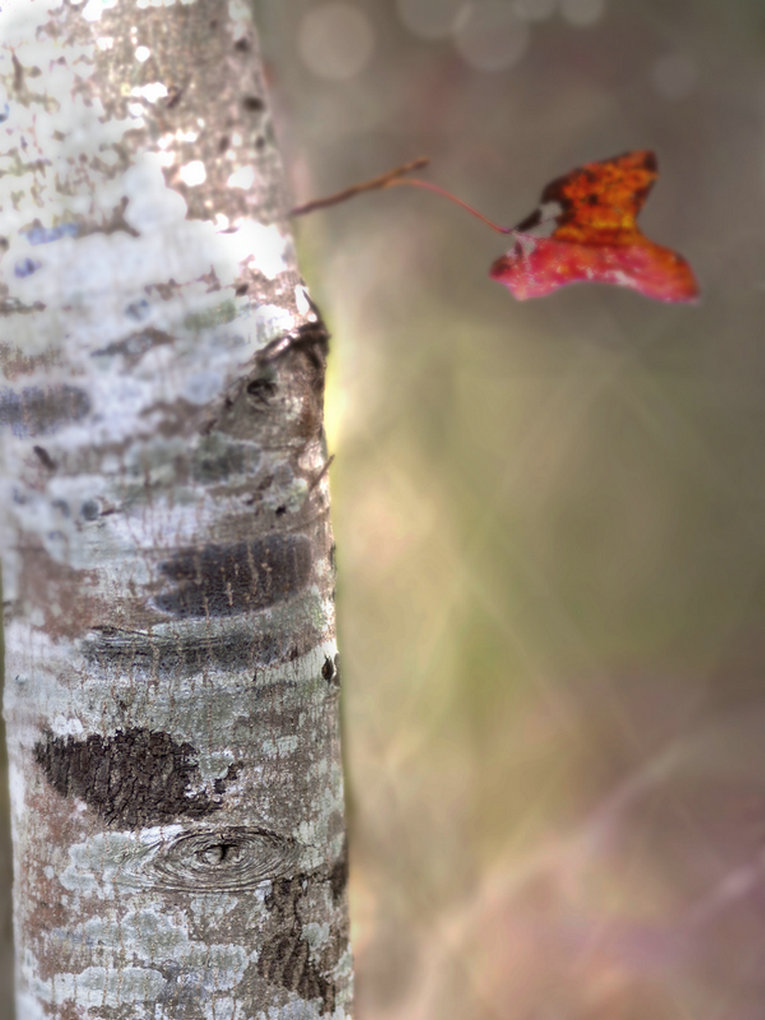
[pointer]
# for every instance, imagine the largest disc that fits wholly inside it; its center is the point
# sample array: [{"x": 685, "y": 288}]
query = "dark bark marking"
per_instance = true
[
  {"x": 237, "y": 649},
  {"x": 284, "y": 897},
  {"x": 12, "y": 306},
  {"x": 232, "y": 773},
  {"x": 136, "y": 777},
  {"x": 90, "y": 510},
  {"x": 281, "y": 399},
  {"x": 18, "y": 73},
  {"x": 133, "y": 347},
  {"x": 284, "y": 957},
  {"x": 175, "y": 94},
  {"x": 25, "y": 267},
  {"x": 37, "y": 412},
  {"x": 135, "y": 651},
  {"x": 253, "y": 104},
  {"x": 220, "y": 580},
  {"x": 284, "y": 960},
  {"x": 45, "y": 458},
  {"x": 262, "y": 388},
  {"x": 136, "y": 310},
  {"x": 338, "y": 876},
  {"x": 312, "y": 337},
  {"x": 330, "y": 670},
  {"x": 45, "y": 235},
  {"x": 215, "y": 462}
]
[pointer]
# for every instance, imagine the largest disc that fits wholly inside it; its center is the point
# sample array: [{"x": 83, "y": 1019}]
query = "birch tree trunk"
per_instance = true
[{"x": 171, "y": 671}]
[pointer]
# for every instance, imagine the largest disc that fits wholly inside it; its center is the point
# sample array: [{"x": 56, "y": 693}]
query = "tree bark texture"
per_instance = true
[{"x": 171, "y": 671}]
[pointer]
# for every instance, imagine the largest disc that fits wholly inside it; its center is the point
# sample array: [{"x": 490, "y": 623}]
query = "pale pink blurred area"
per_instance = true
[{"x": 550, "y": 516}]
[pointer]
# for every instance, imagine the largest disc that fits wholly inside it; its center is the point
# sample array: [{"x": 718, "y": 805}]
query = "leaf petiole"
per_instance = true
[
  {"x": 391, "y": 179},
  {"x": 415, "y": 182}
]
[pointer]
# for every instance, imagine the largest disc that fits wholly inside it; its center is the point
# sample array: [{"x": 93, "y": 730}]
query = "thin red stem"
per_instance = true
[
  {"x": 416, "y": 182},
  {"x": 395, "y": 178}
]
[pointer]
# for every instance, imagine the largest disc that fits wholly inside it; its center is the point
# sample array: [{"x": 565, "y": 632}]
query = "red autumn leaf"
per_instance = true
[{"x": 596, "y": 237}]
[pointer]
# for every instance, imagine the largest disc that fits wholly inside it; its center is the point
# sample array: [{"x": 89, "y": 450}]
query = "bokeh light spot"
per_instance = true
[
  {"x": 430, "y": 19},
  {"x": 335, "y": 40},
  {"x": 490, "y": 36},
  {"x": 244, "y": 177},
  {"x": 582, "y": 12},
  {"x": 193, "y": 173},
  {"x": 674, "y": 75}
]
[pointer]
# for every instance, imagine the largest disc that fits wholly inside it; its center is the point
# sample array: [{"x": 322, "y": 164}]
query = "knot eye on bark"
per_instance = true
[
  {"x": 230, "y": 858},
  {"x": 262, "y": 389},
  {"x": 219, "y": 853}
]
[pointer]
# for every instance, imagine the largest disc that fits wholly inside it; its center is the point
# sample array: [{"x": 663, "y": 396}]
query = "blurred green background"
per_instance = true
[{"x": 549, "y": 515}]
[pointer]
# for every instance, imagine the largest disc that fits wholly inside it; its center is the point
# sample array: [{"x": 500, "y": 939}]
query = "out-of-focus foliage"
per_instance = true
[{"x": 550, "y": 515}]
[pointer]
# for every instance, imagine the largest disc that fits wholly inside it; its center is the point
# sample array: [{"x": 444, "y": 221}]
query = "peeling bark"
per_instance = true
[{"x": 171, "y": 668}]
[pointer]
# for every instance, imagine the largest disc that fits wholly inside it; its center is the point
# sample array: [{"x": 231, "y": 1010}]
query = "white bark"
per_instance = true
[{"x": 171, "y": 675}]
